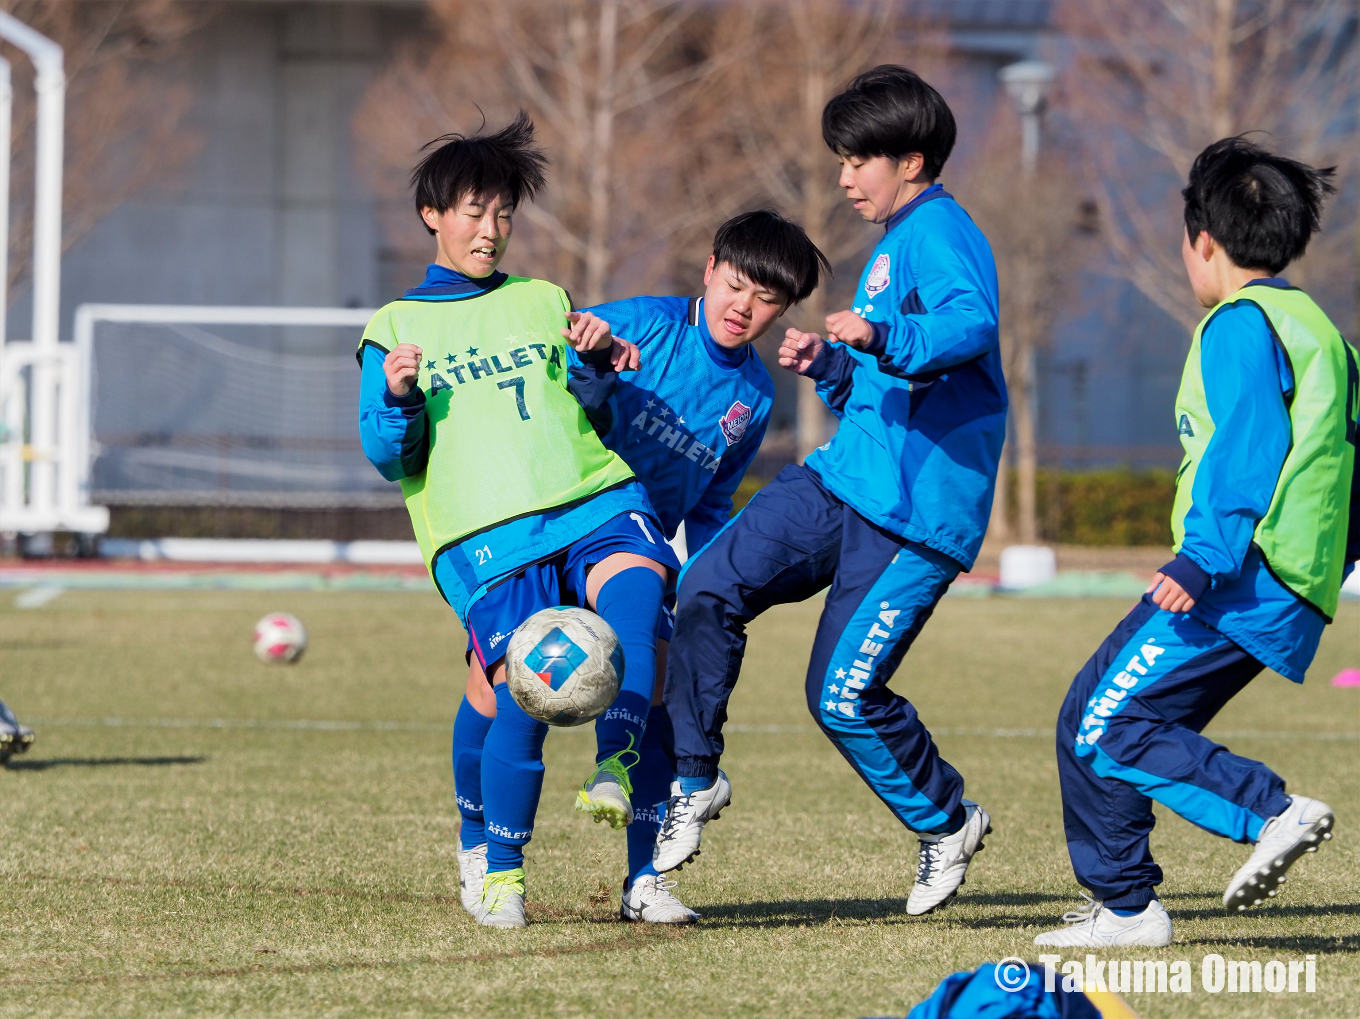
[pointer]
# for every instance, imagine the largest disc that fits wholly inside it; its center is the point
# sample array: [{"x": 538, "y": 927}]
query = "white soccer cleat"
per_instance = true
[
  {"x": 944, "y": 859},
  {"x": 502, "y": 903},
  {"x": 1097, "y": 927},
  {"x": 1302, "y": 828},
  {"x": 650, "y": 900},
  {"x": 471, "y": 876},
  {"x": 678, "y": 841}
]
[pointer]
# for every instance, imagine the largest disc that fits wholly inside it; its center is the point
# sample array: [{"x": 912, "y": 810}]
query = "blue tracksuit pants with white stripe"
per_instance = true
[
  {"x": 1129, "y": 733},
  {"x": 793, "y": 540}
]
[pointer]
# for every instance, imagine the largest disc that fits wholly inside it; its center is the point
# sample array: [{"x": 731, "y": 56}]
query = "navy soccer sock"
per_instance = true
[
  {"x": 513, "y": 758},
  {"x": 651, "y": 789},
  {"x": 630, "y": 602},
  {"x": 469, "y": 735}
]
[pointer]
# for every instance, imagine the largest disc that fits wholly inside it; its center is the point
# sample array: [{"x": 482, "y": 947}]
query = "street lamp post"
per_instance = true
[{"x": 1027, "y": 83}]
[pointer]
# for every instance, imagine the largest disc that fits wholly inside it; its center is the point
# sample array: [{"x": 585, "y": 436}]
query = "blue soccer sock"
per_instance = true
[
  {"x": 651, "y": 789},
  {"x": 513, "y": 754},
  {"x": 469, "y": 735},
  {"x": 692, "y": 784},
  {"x": 630, "y": 602}
]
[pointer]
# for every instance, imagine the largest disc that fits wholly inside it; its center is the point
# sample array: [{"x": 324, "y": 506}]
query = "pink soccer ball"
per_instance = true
[{"x": 280, "y": 638}]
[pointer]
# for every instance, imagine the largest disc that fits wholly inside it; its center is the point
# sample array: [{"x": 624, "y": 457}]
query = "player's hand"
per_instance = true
[
  {"x": 1169, "y": 595},
  {"x": 401, "y": 368},
  {"x": 848, "y": 328},
  {"x": 799, "y": 350},
  {"x": 624, "y": 356},
  {"x": 587, "y": 331}
]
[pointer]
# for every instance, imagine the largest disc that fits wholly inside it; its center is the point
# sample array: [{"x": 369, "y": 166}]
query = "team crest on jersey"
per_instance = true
[
  {"x": 735, "y": 422},
  {"x": 878, "y": 276}
]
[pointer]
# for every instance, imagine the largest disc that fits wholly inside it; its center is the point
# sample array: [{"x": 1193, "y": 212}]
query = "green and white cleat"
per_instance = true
[
  {"x": 502, "y": 902},
  {"x": 606, "y": 795}
]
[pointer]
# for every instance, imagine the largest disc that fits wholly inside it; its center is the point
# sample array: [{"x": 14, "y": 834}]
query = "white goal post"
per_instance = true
[{"x": 49, "y": 486}]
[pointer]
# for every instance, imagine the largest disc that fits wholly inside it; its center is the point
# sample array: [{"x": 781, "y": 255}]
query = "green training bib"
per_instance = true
[
  {"x": 1303, "y": 534},
  {"x": 507, "y": 439}
]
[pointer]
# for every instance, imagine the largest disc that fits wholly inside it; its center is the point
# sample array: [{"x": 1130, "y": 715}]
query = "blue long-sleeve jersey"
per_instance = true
[
  {"x": 923, "y": 407},
  {"x": 395, "y": 437},
  {"x": 1247, "y": 386},
  {"x": 689, "y": 420}
]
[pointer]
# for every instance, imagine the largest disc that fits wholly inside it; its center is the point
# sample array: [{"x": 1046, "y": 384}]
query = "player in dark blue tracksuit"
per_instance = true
[{"x": 887, "y": 513}]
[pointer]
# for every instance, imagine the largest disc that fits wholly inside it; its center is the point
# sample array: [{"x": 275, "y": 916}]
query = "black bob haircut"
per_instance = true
[
  {"x": 771, "y": 251},
  {"x": 504, "y": 163},
  {"x": 1262, "y": 208},
  {"x": 891, "y": 111}
]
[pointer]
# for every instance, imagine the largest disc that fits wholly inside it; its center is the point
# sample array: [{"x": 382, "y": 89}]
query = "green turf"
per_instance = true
[{"x": 156, "y": 870}]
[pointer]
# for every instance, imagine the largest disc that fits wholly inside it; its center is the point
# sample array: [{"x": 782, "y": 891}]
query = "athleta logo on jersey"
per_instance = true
[
  {"x": 735, "y": 422},
  {"x": 675, "y": 437},
  {"x": 878, "y": 277}
]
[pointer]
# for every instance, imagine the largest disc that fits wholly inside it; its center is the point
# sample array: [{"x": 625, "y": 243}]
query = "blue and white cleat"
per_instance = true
[{"x": 1302, "y": 828}]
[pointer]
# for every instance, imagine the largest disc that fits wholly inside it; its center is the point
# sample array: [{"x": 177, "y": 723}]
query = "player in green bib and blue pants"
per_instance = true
[
  {"x": 1266, "y": 528},
  {"x": 516, "y": 504}
]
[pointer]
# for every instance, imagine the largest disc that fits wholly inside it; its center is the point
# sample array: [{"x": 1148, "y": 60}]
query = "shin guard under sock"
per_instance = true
[
  {"x": 630, "y": 602},
  {"x": 512, "y": 762},
  {"x": 469, "y": 736},
  {"x": 652, "y": 778}
]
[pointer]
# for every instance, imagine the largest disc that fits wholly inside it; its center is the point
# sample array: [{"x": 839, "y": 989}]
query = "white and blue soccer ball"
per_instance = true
[
  {"x": 280, "y": 638},
  {"x": 564, "y": 665}
]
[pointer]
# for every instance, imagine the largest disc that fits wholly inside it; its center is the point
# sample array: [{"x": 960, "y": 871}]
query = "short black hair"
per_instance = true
[
  {"x": 772, "y": 251},
  {"x": 891, "y": 111},
  {"x": 1262, "y": 208},
  {"x": 504, "y": 163}
]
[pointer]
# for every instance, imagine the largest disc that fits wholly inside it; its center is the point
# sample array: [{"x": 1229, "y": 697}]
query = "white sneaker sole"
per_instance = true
[{"x": 1265, "y": 883}]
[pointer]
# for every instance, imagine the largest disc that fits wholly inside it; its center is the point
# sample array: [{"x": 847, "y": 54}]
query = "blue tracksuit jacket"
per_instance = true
[
  {"x": 394, "y": 437},
  {"x": 923, "y": 408},
  {"x": 689, "y": 421}
]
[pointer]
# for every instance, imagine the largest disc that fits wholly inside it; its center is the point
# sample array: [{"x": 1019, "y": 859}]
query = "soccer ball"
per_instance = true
[
  {"x": 280, "y": 637},
  {"x": 564, "y": 665}
]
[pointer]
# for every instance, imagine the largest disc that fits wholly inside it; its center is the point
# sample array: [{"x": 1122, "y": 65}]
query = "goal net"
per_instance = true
[{"x": 227, "y": 406}]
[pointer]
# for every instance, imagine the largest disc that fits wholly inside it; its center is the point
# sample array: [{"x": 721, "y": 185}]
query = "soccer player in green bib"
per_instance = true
[
  {"x": 1266, "y": 528},
  {"x": 516, "y": 504}
]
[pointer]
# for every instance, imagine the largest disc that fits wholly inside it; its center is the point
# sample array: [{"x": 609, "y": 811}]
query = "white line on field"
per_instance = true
[
  {"x": 37, "y": 597},
  {"x": 321, "y": 725}
]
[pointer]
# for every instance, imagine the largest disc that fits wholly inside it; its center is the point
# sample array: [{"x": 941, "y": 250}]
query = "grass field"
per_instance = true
[{"x": 215, "y": 854}]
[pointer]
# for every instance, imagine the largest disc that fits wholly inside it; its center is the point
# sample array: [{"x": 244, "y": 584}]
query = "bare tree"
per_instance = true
[
  {"x": 608, "y": 84},
  {"x": 1154, "y": 82},
  {"x": 808, "y": 50},
  {"x": 124, "y": 115},
  {"x": 1033, "y": 219}
]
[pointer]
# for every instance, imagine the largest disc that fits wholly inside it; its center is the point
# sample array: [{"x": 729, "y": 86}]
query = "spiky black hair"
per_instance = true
[
  {"x": 505, "y": 163},
  {"x": 1262, "y": 208}
]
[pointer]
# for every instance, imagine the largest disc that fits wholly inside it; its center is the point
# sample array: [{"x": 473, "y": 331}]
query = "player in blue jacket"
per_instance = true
[
  {"x": 886, "y": 514},
  {"x": 688, "y": 421}
]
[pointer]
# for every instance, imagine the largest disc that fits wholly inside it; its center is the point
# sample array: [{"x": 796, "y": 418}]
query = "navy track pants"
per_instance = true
[
  {"x": 793, "y": 540},
  {"x": 1129, "y": 733}
]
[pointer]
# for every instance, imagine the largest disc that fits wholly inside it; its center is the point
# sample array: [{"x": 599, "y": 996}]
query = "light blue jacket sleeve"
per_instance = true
[
  {"x": 392, "y": 429},
  {"x": 1244, "y": 386},
  {"x": 949, "y": 317},
  {"x": 714, "y": 508}
]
